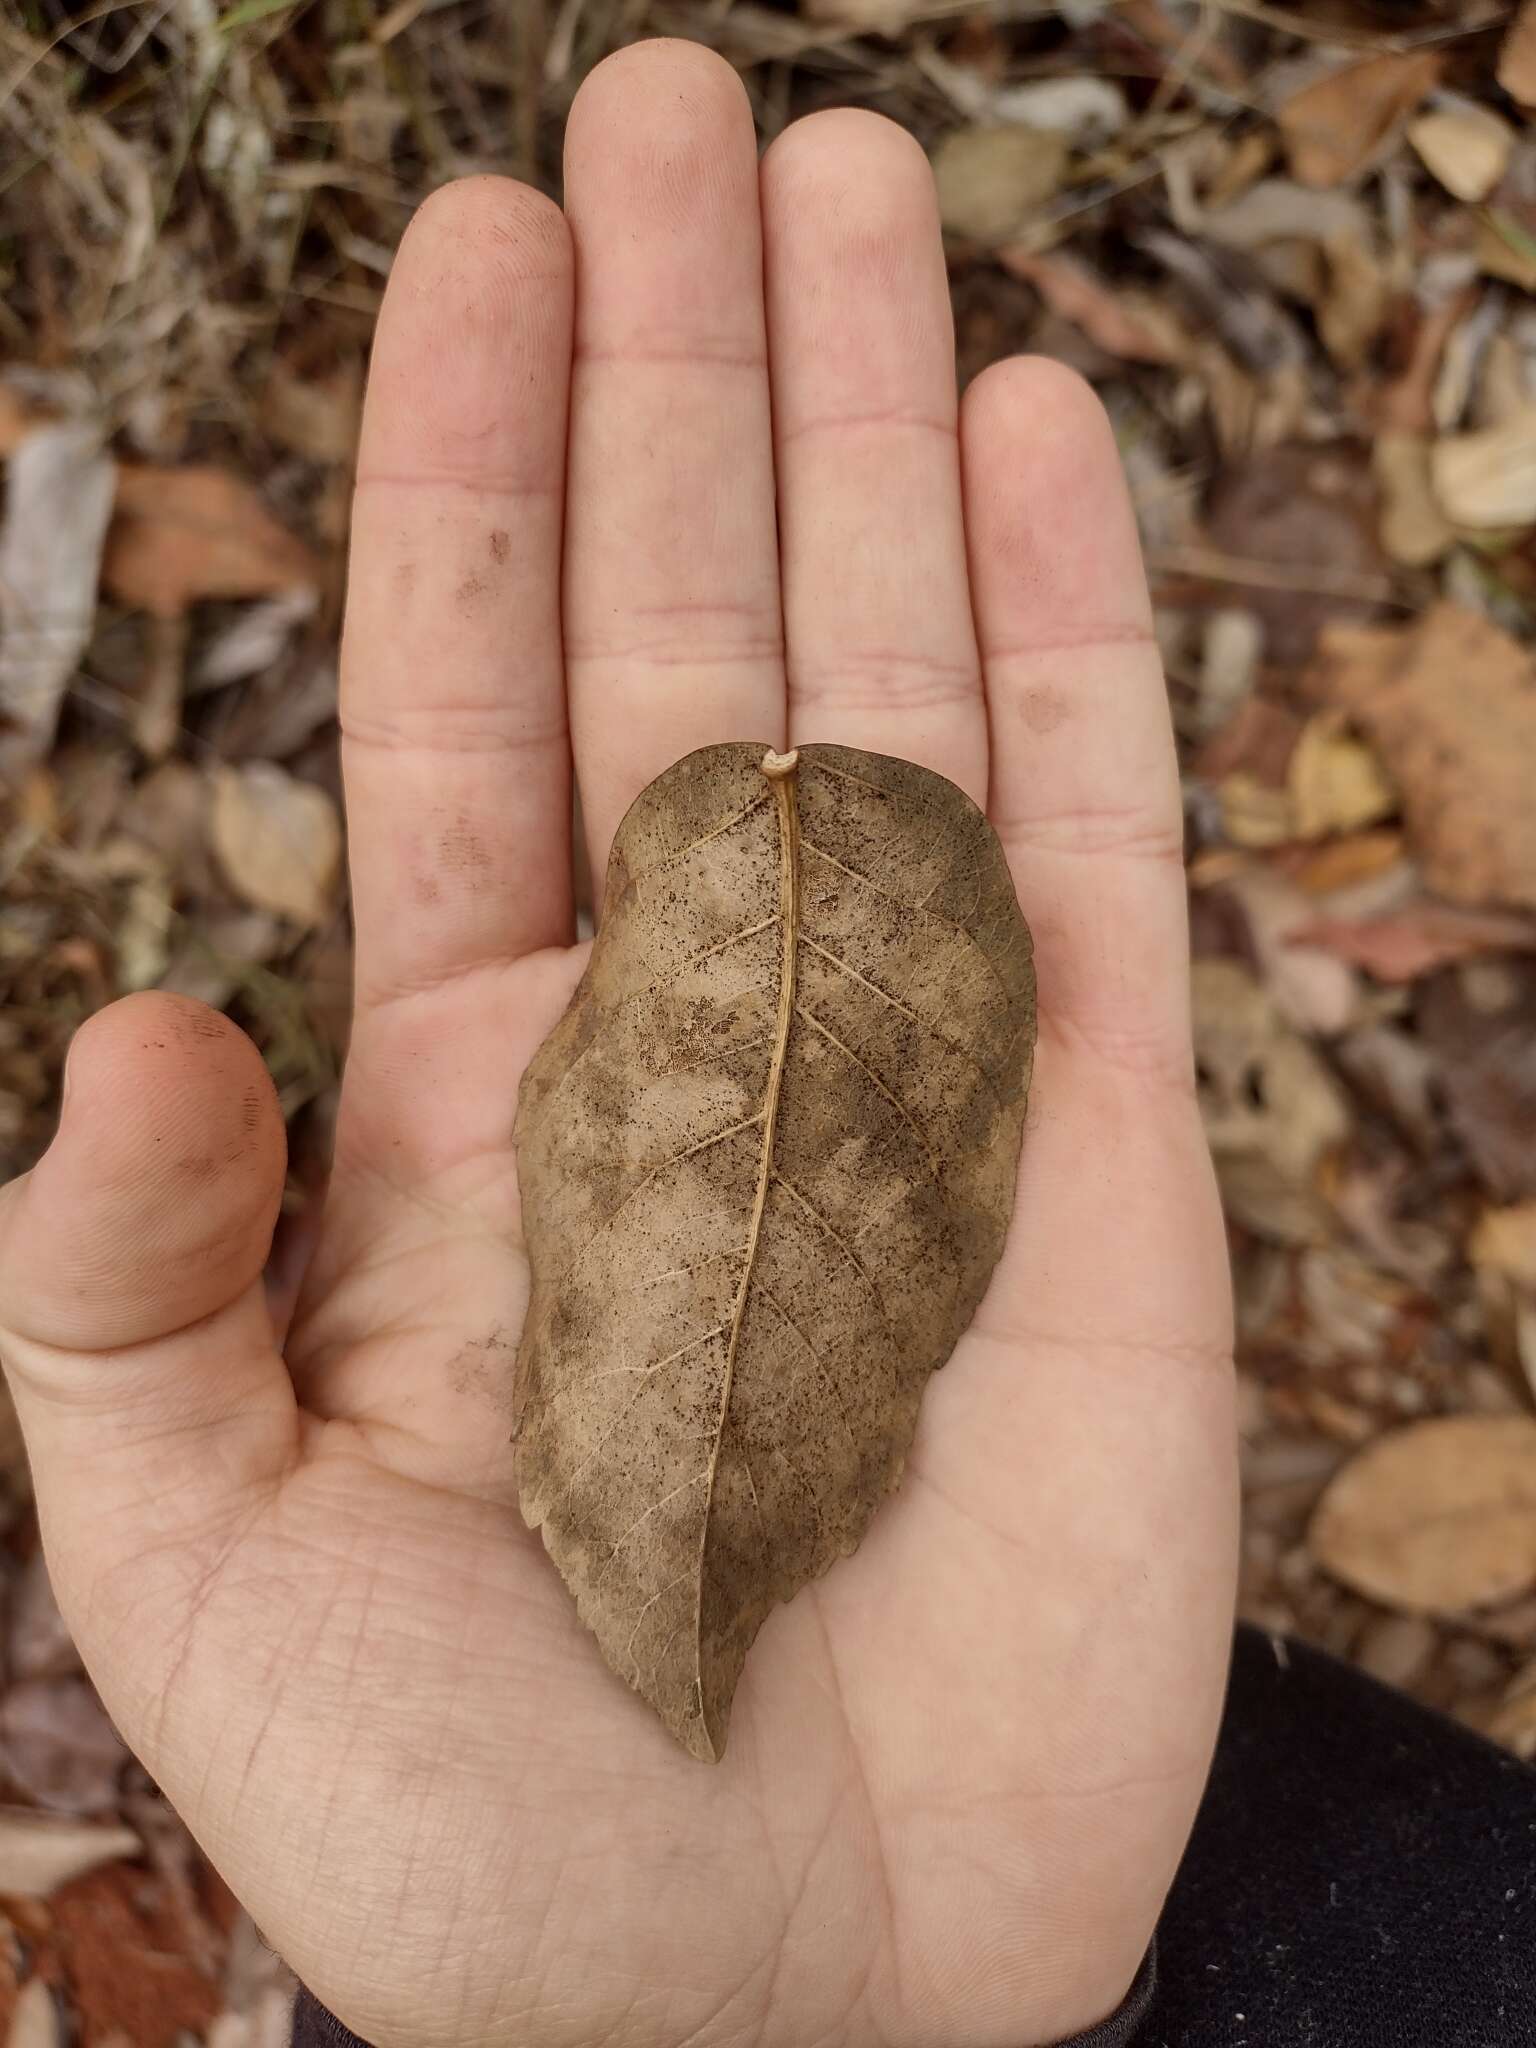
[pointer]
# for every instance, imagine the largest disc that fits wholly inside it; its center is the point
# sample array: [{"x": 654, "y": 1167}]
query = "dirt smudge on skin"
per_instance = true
[
  {"x": 501, "y": 545},
  {"x": 1043, "y": 710}
]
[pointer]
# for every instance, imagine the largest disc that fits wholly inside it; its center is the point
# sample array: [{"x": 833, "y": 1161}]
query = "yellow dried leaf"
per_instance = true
[
  {"x": 990, "y": 179},
  {"x": 767, "y": 1160},
  {"x": 1413, "y": 528},
  {"x": 1437, "y": 1518},
  {"x": 1466, "y": 147},
  {"x": 1335, "y": 782},
  {"x": 1488, "y": 478}
]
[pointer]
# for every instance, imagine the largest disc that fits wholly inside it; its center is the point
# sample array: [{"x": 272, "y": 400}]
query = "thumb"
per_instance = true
[{"x": 132, "y": 1320}]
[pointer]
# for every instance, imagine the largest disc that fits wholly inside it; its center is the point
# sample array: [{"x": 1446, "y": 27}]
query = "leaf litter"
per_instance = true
[{"x": 1296, "y": 258}]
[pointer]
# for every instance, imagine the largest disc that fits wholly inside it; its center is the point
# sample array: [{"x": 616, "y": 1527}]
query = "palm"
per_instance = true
[{"x": 961, "y": 1766}]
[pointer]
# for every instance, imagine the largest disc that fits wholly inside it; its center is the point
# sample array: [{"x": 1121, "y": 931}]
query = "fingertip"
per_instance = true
[{"x": 156, "y": 1201}]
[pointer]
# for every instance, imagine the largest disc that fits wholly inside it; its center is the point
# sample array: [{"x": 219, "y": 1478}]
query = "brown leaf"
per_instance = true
[
  {"x": 38, "y": 1853},
  {"x": 1476, "y": 1020},
  {"x": 767, "y": 1162},
  {"x": 1130, "y": 325},
  {"x": 1416, "y": 941},
  {"x": 181, "y": 535},
  {"x": 1450, "y": 703},
  {"x": 1437, "y": 1518},
  {"x": 277, "y": 839},
  {"x": 1272, "y": 1110},
  {"x": 990, "y": 179},
  {"x": 1333, "y": 129},
  {"x": 1517, "y": 58},
  {"x": 58, "y": 1746}
]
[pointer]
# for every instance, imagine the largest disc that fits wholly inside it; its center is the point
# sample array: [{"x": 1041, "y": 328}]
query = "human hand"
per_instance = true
[{"x": 963, "y": 1765}]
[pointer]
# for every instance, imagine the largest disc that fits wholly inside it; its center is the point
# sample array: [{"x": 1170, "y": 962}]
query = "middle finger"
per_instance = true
[{"x": 673, "y": 633}]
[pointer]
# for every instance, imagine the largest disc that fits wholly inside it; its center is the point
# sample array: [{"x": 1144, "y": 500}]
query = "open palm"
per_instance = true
[{"x": 682, "y": 464}]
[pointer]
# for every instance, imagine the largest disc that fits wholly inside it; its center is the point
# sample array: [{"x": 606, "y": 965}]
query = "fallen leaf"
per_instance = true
[
  {"x": 1476, "y": 1020},
  {"x": 1305, "y": 516},
  {"x": 1334, "y": 781},
  {"x": 1272, "y": 1111},
  {"x": 1517, "y": 57},
  {"x": 1437, "y": 1518},
  {"x": 58, "y": 1746},
  {"x": 277, "y": 839},
  {"x": 1345, "y": 863},
  {"x": 1130, "y": 325},
  {"x": 58, "y": 500},
  {"x": 1465, "y": 146},
  {"x": 255, "y": 640},
  {"x": 1416, "y": 941},
  {"x": 317, "y": 418},
  {"x": 1414, "y": 529},
  {"x": 37, "y": 1641},
  {"x": 1254, "y": 813},
  {"x": 1450, "y": 703},
  {"x": 992, "y": 179},
  {"x": 179, "y": 536},
  {"x": 35, "y": 2021},
  {"x": 1315, "y": 991},
  {"x": 798, "y": 1090},
  {"x": 1505, "y": 246},
  {"x": 1488, "y": 478},
  {"x": 1503, "y": 1241},
  {"x": 1354, "y": 299},
  {"x": 39, "y": 1852},
  {"x": 1087, "y": 109},
  {"x": 1334, "y": 128}
]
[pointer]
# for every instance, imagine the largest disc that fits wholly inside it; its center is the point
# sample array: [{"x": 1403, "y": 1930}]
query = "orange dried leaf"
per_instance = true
[{"x": 181, "y": 535}]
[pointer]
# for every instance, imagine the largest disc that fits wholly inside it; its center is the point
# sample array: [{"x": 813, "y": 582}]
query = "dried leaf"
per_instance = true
[
  {"x": 1414, "y": 530},
  {"x": 38, "y": 1643},
  {"x": 1503, "y": 1241},
  {"x": 991, "y": 179},
  {"x": 181, "y": 535},
  {"x": 58, "y": 1746},
  {"x": 1476, "y": 1020},
  {"x": 1130, "y": 325},
  {"x": 1437, "y": 1518},
  {"x": 1414, "y": 942},
  {"x": 1334, "y": 128},
  {"x": 1450, "y": 703},
  {"x": 1335, "y": 781},
  {"x": 1272, "y": 1111},
  {"x": 38, "y": 1853},
  {"x": 1488, "y": 478},
  {"x": 277, "y": 839},
  {"x": 1517, "y": 58},
  {"x": 767, "y": 1161},
  {"x": 1465, "y": 146},
  {"x": 58, "y": 500}
]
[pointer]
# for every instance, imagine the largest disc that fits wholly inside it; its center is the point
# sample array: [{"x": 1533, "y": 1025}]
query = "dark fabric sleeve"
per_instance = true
[{"x": 1362, "y": 1874}]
